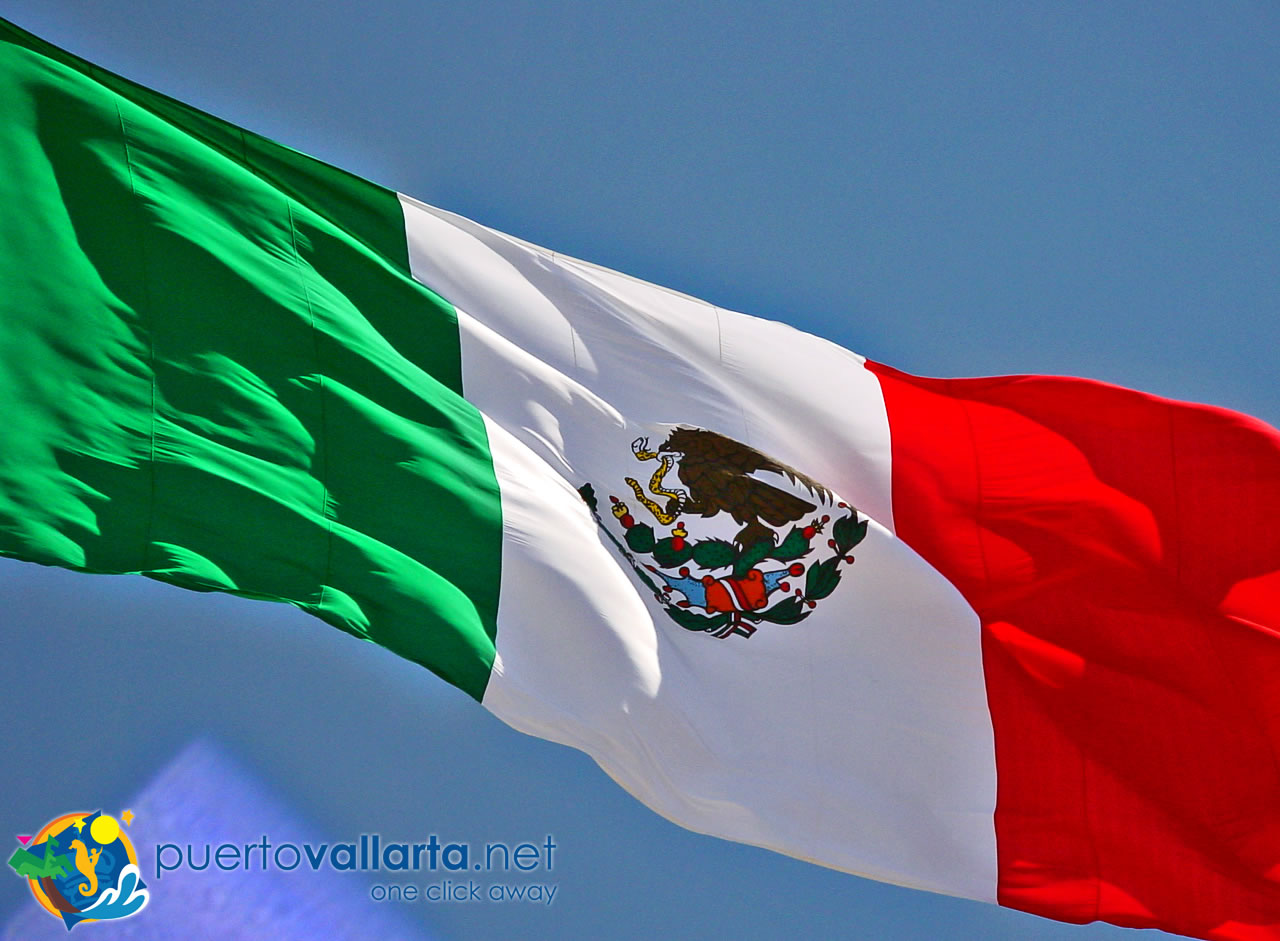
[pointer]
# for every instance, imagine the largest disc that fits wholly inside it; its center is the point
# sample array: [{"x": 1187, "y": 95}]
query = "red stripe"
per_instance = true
[
  {"x": 1123, "y": 553},
  {"x": 737, "y": 594}
]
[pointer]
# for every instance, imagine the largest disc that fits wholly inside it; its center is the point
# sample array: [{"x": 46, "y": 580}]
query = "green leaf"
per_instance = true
[
  {"x": 822, "y": 579},
  {"x": 714, "y": 553},
  {"x": 692, "y": 621},
  {"x": 589, "y": 495},
  {"x": 640, "y": 537},
  {"x": 667, "y": 556},
  {"x": 848, "y": 532},
  {"x": 788, "y": 611},
  {"x": 795, "y": 546},
  {"x": 751, "y": 556}
]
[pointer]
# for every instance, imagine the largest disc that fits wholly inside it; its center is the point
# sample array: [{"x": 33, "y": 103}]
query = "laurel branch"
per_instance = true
[{"x": 820, "y": 578}]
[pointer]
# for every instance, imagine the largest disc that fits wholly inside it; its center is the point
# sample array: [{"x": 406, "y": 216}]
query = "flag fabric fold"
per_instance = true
[
  {"x": 197, "y": 324},
  {"x": 1013, "y": 639},
  {"x": 1122, "y": 552}
]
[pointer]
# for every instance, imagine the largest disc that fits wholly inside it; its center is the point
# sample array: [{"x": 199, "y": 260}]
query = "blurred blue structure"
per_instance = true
[{"x": 203, "y": 796}]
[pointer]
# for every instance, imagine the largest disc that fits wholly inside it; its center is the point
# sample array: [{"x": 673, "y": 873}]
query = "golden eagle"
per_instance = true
[{"x": 717, "y": 474}]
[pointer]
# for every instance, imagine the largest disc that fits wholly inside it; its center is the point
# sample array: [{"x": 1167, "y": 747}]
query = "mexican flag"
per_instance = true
[{"x": 1013, "y": 639}]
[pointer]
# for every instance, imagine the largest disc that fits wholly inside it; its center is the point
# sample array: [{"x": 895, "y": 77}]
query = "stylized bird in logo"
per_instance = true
[{"x": 717, "y": 474}]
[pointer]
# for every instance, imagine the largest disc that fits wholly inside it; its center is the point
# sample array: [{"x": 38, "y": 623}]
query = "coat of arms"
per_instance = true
[{"x": 771, "y": 570}]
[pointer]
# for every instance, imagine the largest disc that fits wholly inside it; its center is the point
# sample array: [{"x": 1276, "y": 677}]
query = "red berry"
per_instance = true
[
  {"x": 812, "y": 604},
  {"x": 808, "y": 532},
  {"x": 843, "y": 506},
  {"x": 849, "y": 559},
  {"x": 795, "y": 569},
  {"x": 831, "y": 543},
  {"x": 683, "y": 604},
  {"x": 785, "y": 586},
  {"x": 826, "y": 519},
  {"x": 684, "y": 571},
  {"x": 627, "y": 521}
]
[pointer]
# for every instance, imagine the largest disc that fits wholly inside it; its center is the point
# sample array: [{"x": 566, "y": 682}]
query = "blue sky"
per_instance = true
[{"x": 954, "y": 189}]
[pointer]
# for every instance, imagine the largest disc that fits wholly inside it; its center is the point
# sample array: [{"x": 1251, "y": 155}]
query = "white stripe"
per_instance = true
[{"x": 858, "y": 738}]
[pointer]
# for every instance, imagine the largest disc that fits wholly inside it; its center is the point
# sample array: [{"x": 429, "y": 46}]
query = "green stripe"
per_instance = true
[{"x": 215, "y": 370}]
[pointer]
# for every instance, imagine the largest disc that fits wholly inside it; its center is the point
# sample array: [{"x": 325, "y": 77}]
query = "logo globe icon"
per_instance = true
[{"x": 83, "y": 867}]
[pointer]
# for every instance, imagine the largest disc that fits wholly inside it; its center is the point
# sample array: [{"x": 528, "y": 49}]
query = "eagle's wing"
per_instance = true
[
  {"x": 795, "y": 477},
  {"x": 755, "y": 498},
  {"x": 711, "y": 450}
]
